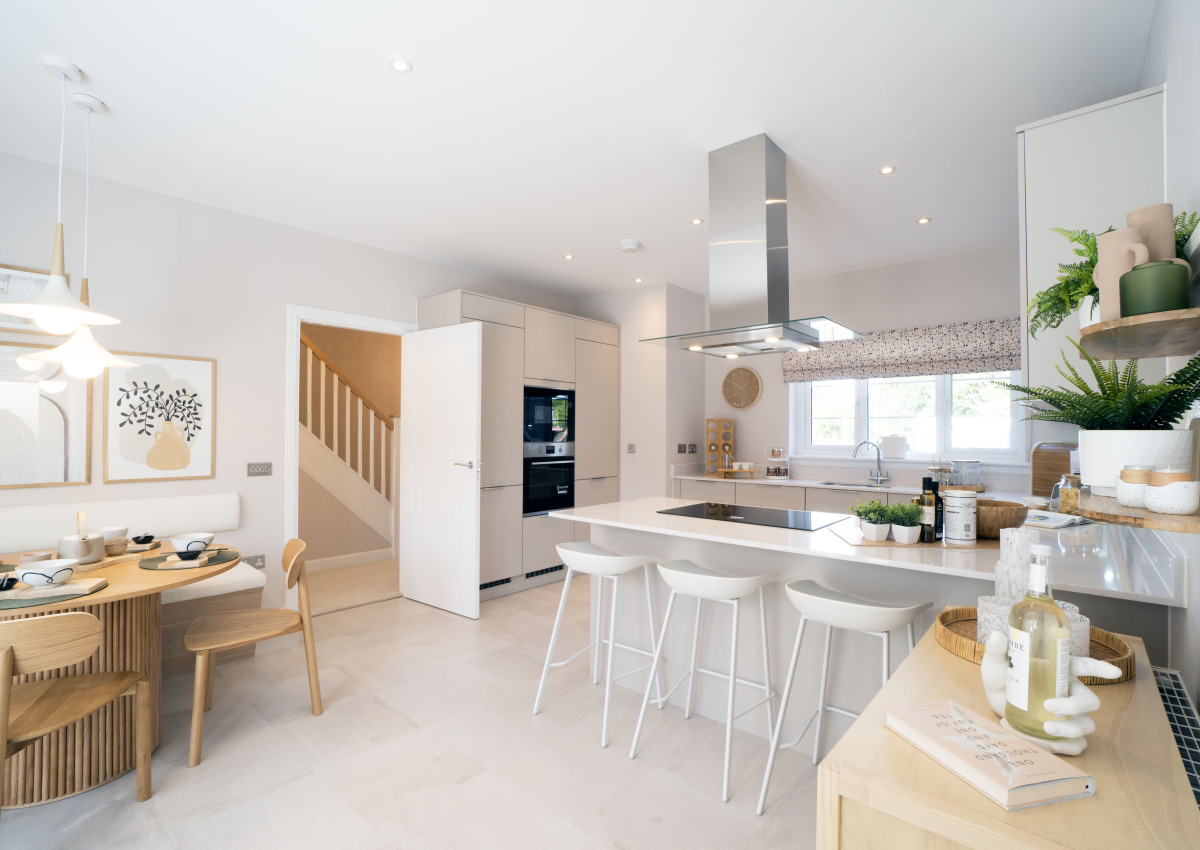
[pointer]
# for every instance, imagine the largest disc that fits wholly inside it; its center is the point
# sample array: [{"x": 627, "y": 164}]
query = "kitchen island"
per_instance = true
[{"x": 1126, "y": 580}]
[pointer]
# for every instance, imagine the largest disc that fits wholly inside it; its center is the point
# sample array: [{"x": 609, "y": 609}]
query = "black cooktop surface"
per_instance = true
[{"x": 774, "y": 517}]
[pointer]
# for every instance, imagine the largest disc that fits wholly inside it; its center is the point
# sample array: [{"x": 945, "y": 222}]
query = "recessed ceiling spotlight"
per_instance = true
[
  {"x": 568, "y": 256},
  {"x": 400, "y": 65},
  {"x": 771, "y": 339},
  {"x": 637, "y": 280},
  {"x": 694, "y": 348},
  {"x": 887, "y": 169},
  {"x": 731, "y": 357},
  {"x": 697, "y": 221},
  {"x": 924, "y": 220}
]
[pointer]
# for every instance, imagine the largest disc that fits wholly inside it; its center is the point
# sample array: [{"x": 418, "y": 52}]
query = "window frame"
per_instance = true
[{"x": 800, "y": 409}]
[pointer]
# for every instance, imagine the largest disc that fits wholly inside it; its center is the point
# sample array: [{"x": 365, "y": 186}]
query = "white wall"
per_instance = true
[
  {"x": 661, "y": 388},
  {"x": 188, "y": 279}
]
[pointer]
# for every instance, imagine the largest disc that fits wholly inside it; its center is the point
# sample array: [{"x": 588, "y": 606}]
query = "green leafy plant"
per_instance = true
[
  {"x": 1120, "y": 401},
  {"x": 874, "y": 511},
  {"x": 904, "y": 513},
  {"x": 1048, "y": 308},
  {"x": 1185, "y": 226}
]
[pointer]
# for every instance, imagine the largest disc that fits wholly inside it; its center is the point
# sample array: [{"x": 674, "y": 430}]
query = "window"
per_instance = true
[{"x": 939, "y": 414}]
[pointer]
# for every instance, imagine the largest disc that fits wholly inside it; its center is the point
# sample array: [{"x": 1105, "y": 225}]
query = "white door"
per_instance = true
[{"x": 439, "y": 467}]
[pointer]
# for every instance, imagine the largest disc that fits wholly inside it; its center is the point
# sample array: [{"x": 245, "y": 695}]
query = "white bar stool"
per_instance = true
[
  {"x": 590, "y": 559},
  {"x": 688, "y": 579},
  {"x": 836, "y": 611}
]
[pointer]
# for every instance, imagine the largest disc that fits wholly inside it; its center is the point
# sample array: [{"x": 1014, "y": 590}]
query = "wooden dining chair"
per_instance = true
[
  {"x": 29, "y": 710},
  {"x": 214, "y": 633}
]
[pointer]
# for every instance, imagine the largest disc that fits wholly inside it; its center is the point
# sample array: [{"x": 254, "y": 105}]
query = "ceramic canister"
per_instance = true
[
  {"x": 1118, "y": 252},
  {"x": 1153, "y": 288},
  {"x": 959, "y": 508}
]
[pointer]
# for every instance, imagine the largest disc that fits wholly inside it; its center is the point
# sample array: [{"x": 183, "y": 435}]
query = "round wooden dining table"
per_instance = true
[{"x": 100, "y": 747}]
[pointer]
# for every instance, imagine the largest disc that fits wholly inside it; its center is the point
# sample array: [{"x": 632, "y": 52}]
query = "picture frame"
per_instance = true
[
  {"x": 45, "y": 423},
  {"x": 16, "y": 284},
  {"x": 160, "y": 419}
]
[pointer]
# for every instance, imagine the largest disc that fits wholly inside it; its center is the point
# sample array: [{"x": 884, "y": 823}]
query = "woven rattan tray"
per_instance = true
[{"x": 954, "y": 629}]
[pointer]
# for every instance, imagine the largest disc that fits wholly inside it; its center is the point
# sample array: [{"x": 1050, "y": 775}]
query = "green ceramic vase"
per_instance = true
[{"x": 1153, "y": 288}]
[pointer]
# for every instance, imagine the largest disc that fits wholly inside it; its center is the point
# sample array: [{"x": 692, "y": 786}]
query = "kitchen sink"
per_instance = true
[{"x": 855, "y": 484}]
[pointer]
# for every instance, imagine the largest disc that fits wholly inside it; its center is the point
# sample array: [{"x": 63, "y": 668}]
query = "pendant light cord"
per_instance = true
[
  {"x": 87, "y": 186},
  {"x": 62, "y": 143}
]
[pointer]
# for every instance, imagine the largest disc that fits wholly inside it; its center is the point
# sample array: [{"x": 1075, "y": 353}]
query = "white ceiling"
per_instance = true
[{"x": 531, "y": 129}]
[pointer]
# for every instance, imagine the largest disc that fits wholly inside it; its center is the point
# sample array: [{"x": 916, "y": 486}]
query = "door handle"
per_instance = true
[{"x": 469, "y": 464}]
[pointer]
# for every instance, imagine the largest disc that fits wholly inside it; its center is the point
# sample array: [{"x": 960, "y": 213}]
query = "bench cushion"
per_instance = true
[{"x": 241, "y": 577}]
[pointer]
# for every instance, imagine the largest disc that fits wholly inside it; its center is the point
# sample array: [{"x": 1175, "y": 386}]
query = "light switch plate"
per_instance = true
[
  {"x": 253, "y": 469},
  {"x": 631, "y": 448},
  {"x": 259, "y": 561},
  {"x": 681, "y": 449}
]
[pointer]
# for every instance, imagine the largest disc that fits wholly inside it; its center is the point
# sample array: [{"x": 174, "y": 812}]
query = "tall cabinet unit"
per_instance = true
[
  {"x": 525, "y": 345},
  {"x": 1082, "y": 170}
]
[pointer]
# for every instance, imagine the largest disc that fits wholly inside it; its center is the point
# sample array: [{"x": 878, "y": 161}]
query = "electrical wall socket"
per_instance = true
[
  {"x": 259, "y": 561},
  {"x": 631, "y": 448},
  {"x": 691, "y": 448},
  {"x": 681, "y": 449},
  {"x": 253, "y": 469}
]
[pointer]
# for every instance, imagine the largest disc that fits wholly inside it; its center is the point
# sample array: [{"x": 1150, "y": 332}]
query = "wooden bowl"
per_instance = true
[{"x": 993, "y": 515}]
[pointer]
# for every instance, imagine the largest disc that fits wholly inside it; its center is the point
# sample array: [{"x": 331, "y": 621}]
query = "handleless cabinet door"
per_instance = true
[
  {"x": 597, "y": 410},
  {"x": 594, "y": 491},
  {"x": 784, "y": 496},
  {"x": 500, "y": 553},
  {"x": 503, "y": 387},
  {"x": 539, "y": 537},
  {"x": 721, "y": 492},
  {"x": 837, "y": 501},
  {"x": 549, "y": 345}
]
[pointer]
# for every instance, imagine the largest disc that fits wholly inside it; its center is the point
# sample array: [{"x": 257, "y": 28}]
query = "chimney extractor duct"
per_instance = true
[{"x": 748, "y": 284}]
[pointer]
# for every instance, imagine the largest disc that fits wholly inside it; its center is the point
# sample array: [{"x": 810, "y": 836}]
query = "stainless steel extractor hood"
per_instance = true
[{"x": 748, "y": 286}]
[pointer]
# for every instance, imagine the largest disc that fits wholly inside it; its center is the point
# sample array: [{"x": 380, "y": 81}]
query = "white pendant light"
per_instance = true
[
  {"x": 81, "y": 355},
  {"x": 54, "y": 309}
]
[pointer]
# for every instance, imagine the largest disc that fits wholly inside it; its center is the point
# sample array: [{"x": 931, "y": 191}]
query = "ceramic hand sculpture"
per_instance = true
[{"x": 1076, "y": 706}]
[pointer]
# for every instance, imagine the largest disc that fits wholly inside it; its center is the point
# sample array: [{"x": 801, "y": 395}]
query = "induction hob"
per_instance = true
[{"x": 774, "y": 517}]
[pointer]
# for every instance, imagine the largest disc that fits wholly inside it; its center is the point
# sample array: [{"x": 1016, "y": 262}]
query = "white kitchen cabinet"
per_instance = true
[
  {"x": 500, "y": 550},
  {"x": 540, "y": 534},
  {"x": 549, "y": 346},
  {"x": 1083, "y": 170},
  {"x": 769, "y": 496},
  {"x": 837, "y": 501},
  {"x": 503, "y": 383},
  {"x": 720, "y": 492},
  {"x": 594, "y": 491},
  {"x": 597, "y": 410}
]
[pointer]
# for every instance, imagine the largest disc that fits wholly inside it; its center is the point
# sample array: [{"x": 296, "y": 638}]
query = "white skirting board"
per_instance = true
[{"x": 348, "y": 560}]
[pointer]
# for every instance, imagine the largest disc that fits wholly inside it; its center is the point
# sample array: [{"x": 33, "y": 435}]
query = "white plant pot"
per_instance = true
[
  {"x": 1087, "y": 316},
  {"x": 906, "y": 533},
  {"x": 1102, "y": 454},
  {"x": 875, "y": 532}
]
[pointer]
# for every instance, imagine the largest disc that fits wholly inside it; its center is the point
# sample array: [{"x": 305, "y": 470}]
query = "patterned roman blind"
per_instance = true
[{"x": 989, "y": 345}]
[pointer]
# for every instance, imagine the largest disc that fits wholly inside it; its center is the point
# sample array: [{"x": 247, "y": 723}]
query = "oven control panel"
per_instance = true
[{"x": 556, "y": 450}]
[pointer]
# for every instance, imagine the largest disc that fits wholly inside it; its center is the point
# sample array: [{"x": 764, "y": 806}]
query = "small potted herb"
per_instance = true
[
  {"x": 873, "y": 518},
  {"x": 906, "y": 522}
]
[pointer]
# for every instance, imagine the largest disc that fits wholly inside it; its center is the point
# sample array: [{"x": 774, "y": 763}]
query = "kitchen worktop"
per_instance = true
[{"x": 1096, "y": 560}]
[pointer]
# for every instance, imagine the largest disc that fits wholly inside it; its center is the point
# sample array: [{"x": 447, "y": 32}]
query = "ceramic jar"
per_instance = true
[
  {"x": 1154, "y": 287},
  {"x": 1118, "y": 251},
  {"x": 1179, "y": 497}
]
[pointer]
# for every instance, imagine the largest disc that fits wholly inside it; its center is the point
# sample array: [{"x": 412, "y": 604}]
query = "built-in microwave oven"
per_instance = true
[
  {"x": 550, "y": 416},
  {"x": 549, "y": 473}
]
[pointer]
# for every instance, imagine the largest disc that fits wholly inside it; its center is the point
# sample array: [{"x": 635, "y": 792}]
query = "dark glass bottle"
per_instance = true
[
  {"x": 928, "y": 503},
  {"x": 939, "y": 517}
]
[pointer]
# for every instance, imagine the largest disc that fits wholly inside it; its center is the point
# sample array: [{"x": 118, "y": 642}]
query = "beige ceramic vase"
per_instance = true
[
  {"x": 1118, "y": 251},
  {"x": 1157, "y": 224},
  {"x": 170, "y": 449}
]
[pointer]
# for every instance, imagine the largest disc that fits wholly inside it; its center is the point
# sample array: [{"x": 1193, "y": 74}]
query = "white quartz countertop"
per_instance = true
[{"x": 1096, "y": 559}]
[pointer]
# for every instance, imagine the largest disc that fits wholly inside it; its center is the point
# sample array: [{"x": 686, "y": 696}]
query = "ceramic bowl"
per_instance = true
[
  {"x": 1182, "y": 497},
  {"x": 992, "y": 515},
  {"x": 143, "y": 539},
  {"x": 191, "y": 540},
  {"x": 47, "y": 573},
  {"x": 116, "y": 546},
  {"x": 1131, "y": 495},
  {"x": 7, "y": 582},
  {"x": 110, "y": 532}
]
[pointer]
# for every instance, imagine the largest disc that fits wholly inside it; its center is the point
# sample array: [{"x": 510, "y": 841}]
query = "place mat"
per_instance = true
[
  {"x": 852, "y": 534},
  {"x": 25, "y": 597},
  {"x": 159, "y": 562},
  {"x": 954, "y": 630}
]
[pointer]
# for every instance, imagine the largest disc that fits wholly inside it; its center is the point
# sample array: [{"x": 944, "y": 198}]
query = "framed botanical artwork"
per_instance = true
[
  {"x": 45, "y": 422},
  {"x": 160, "y": 419},
  {"x": 17, "y": 284}
]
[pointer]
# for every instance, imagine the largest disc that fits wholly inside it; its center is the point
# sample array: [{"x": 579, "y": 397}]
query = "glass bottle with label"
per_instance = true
[
  {"x": 928, "y": 503},
  {"x": 1039, "y": 652}
]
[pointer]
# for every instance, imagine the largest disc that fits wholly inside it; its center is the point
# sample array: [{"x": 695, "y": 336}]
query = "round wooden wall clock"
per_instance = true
[{"x": 741, "y": 387}]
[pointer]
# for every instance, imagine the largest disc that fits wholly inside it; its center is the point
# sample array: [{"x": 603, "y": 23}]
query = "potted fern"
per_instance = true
[
  {"x": 905, "y": 519},
  {"x": 1123, "y": 420},
  {"x": 873, "y": 519}
]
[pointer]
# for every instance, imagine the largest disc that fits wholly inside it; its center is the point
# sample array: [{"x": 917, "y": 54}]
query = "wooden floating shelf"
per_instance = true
[
  {"x": 1172, "y": 333},
  {"x": 1107, "y": 509}
]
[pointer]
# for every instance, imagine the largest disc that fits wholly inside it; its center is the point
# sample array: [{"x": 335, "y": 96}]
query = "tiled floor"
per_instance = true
[
  {"x": 428, "y": 741},
  {"x": 348, "y": 587}
]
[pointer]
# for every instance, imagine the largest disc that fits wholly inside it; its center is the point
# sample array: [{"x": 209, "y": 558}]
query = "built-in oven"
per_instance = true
[{"x": 549, "y": 474}]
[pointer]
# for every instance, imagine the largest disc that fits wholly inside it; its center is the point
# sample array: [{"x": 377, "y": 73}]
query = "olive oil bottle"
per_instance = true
[
  {"x": 928, "y": 503},
  {"x": 1039, "y": 652}
]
